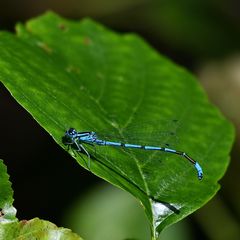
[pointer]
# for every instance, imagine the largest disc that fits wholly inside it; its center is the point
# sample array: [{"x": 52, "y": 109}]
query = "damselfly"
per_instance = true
[{"x": 77, "y": 140}]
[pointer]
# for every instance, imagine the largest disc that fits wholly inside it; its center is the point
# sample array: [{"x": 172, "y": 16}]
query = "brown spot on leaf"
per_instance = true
[
  {"x": 23, "y": 222},
  {"x": 87, "y": 41},
  {"x": 73, "y": 69},
  {"x": 45, "y": 47},
  {"x": 62, "y": 27}
]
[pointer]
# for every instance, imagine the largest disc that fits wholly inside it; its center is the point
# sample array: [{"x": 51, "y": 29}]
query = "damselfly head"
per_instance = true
[
  {"x": 67, "y": 139},
  {"x": 71, "y": 132}
]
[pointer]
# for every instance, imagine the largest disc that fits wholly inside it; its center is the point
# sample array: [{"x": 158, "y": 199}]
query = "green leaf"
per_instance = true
[
  {"x": 7, "y": 211},
  {"x": 11, "y": 228},
  {"x": 35, "y": 229},
  {"x": 82, "y": 75}
]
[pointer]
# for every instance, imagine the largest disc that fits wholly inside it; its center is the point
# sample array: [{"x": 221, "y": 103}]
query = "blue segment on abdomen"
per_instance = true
[
  {"x": 132, "y": 146},
  {"x": 170, "y": 150},
  {"x": 152, "y": 148},
  {"x": 113, "y": 144}
]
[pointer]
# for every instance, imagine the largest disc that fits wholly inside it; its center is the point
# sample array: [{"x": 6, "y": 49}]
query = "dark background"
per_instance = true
[{"x": 203, "y": 36}]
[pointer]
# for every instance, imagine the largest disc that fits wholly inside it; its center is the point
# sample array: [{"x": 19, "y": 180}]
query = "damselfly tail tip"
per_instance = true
[{"x": 199, "y": 171}]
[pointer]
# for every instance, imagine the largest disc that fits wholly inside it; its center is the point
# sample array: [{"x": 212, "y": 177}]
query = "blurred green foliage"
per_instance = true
[
  {"x": 199, "y": 28},
  {"x": 107, "y": 212}
]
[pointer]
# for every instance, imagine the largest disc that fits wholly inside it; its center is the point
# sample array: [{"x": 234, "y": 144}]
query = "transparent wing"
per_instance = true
[{"x": 149, "y": 133}]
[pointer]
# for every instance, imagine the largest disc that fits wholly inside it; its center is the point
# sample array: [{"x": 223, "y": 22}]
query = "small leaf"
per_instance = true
[
  {"x": 35, "y": 229},
  {"x": 8, "y": 212},
  {"x": 11, "y": 228},
  {"x": 82, "y": 75}
]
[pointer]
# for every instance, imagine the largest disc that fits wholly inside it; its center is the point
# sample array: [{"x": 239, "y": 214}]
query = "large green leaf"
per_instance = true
[{"x": 82, "y": 75}]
